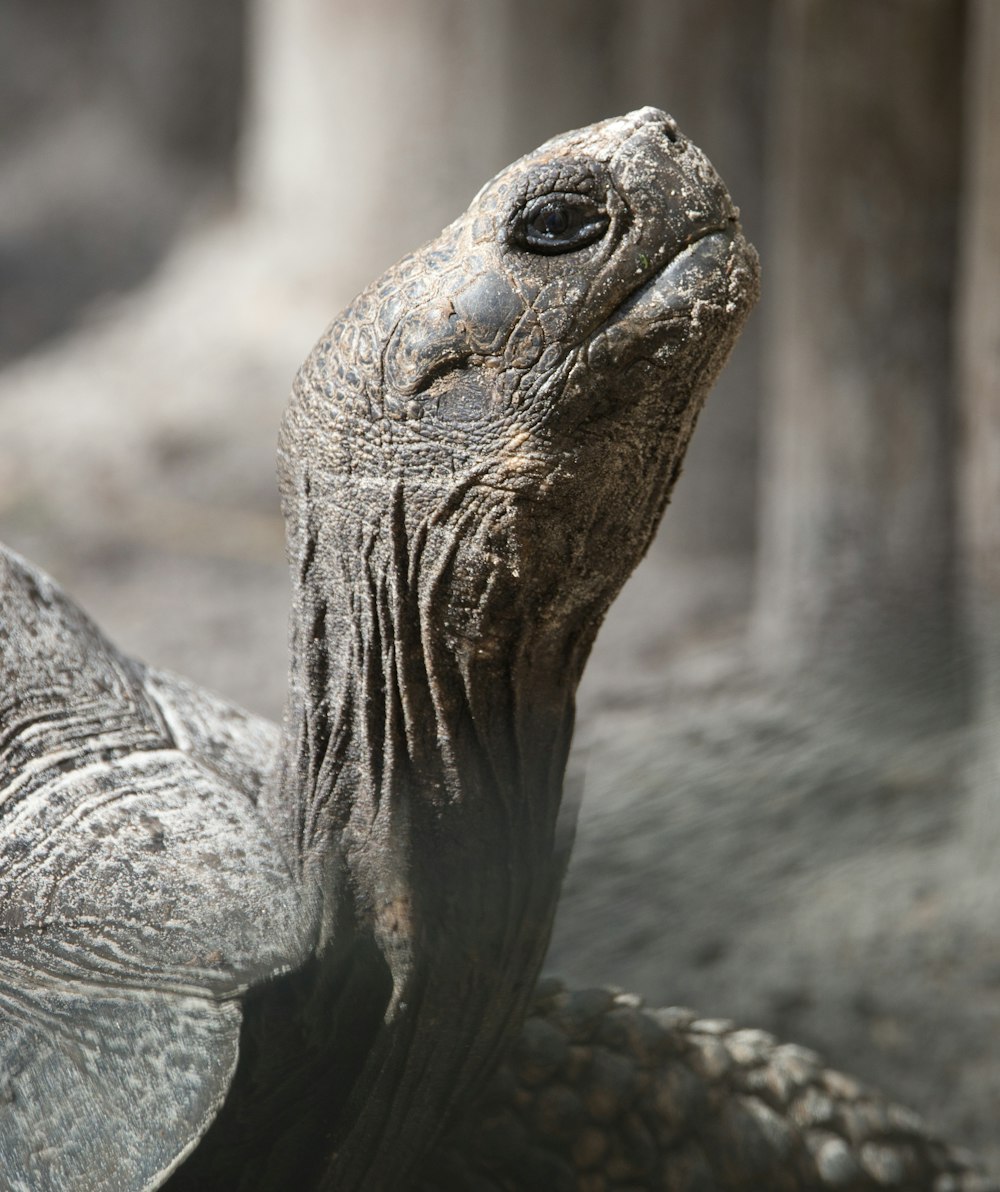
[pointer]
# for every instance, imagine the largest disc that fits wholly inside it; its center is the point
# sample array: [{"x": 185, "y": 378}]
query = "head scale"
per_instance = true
[{"x": 552, "y": 345}]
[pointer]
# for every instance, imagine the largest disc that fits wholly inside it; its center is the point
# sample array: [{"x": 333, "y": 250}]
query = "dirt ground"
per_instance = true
[{"x": 789, "y": 854}]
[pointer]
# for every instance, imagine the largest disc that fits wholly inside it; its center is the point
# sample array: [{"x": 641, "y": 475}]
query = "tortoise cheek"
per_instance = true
[
  {"x": 489, "y": 309},
  {"x": 438, "y": 336},
  {"x": 426, "y": 343}
]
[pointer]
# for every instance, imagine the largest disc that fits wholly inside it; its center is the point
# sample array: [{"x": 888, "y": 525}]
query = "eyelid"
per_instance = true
[
  {"x": 592, "y": 221},
  {"x": 571, "y": 197}
]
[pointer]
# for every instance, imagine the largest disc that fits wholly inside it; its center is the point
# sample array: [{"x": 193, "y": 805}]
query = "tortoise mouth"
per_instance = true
[
  {"x": 698, "y": 269},
  {"x": 662, "y": 312}
]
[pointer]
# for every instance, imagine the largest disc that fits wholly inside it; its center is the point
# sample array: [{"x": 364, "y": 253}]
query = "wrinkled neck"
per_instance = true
[
  {"x": 422, "y": 685},
  {"x": 428, "y": 728}
]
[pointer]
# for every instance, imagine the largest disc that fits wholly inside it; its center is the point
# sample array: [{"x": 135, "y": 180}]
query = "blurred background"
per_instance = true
[{"x": 788, "y": 733}]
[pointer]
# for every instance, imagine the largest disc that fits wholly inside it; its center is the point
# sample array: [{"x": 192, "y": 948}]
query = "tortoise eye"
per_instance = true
[{"x": 558, "y": 223}]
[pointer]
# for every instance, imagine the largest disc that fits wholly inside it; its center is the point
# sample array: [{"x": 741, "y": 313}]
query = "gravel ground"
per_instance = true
[{"x": 790, "y": 855}]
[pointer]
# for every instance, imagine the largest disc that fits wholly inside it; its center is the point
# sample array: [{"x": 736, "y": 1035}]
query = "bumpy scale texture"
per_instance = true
[{"x": 599, "y": 1094}]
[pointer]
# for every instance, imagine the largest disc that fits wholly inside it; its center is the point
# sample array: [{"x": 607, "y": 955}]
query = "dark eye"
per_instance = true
[{"x": 562, "y": 223}]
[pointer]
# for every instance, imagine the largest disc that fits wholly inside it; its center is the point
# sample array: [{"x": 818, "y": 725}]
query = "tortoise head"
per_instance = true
[
  {"x": 475, "y": 457},
  {"x": 534, "y": 374}
]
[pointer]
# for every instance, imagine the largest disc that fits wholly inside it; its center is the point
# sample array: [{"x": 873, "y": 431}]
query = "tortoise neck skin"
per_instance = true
[{"x": 475, "y": 457}]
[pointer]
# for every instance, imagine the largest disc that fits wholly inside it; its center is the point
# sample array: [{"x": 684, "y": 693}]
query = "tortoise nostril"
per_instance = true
[{"x": 643, "y": 117}]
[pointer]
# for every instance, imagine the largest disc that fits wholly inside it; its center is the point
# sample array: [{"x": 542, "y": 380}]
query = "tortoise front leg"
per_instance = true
[{"x": 599, "y": 1094}]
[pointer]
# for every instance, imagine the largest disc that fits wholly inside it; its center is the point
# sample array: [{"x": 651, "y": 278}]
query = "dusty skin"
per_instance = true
[{"x": 240, "y": 757}]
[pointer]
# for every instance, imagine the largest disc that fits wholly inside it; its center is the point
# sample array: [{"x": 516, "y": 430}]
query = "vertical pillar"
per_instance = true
[
  {"x": 179, "y": 68},
  {"x": 979, "y": 325},
  {"x": 371, "y": 125},
  {"x": 857, "y": 557}
]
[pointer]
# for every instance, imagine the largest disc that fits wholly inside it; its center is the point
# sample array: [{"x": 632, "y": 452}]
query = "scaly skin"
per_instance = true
[{"x": 601, "y": 1095}]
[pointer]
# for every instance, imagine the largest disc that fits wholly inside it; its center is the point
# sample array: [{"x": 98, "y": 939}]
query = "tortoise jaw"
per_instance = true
[
  {"x": 701, "y": 270},
  {"x": 715, "y": 268}
]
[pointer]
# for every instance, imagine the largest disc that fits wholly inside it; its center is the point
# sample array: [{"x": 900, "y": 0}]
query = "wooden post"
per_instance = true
[
  {"x": 705, "y": 62},
  {"x": 179, "y": 69},
  {"x": 857, "y": 551},
  {"x": 371, "y": 125},
  {"x": 979, "y": 325}
]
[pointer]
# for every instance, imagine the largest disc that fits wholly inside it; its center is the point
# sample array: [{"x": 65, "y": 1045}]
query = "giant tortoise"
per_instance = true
[{"x": 233, "y": 961}]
